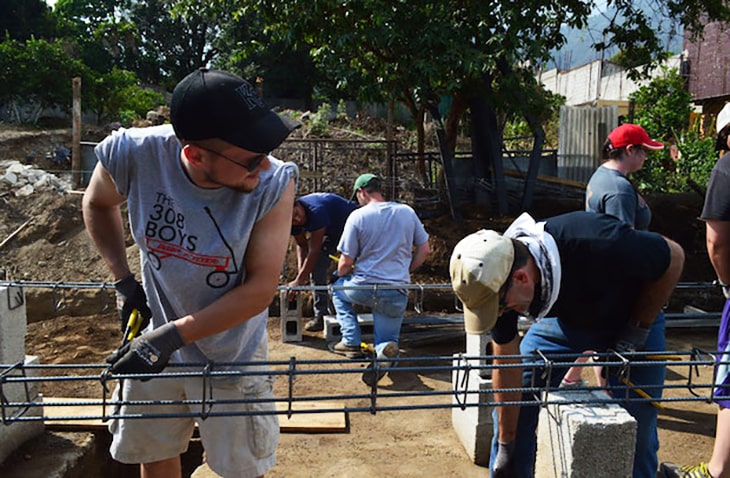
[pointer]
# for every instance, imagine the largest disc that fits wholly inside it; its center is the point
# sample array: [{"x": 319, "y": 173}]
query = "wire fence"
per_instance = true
[
  {"x": 686, "y": 318},
  {"x": 20, "y": 382}
]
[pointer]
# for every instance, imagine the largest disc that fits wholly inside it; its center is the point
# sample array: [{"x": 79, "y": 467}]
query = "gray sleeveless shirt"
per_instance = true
[{"x": 192, "y": 241}]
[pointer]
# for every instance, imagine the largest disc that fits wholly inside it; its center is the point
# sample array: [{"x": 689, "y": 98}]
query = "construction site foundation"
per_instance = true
[{"x": 13, "y": 327}]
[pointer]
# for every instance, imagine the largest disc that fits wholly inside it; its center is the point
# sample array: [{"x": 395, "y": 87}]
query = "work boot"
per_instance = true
[
  {"x": 370, "y": 377},
  {"x": 349, "y": 351},
  {"x": 315, "y": 325}
]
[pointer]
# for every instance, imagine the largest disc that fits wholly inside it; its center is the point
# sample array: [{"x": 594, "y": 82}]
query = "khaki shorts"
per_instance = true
[{"x": 235, "y": 445}]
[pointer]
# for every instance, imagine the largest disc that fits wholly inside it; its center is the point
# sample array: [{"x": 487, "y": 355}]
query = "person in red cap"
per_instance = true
[
  {"x": 210, "y": 211},
  {"x": 609, "y": 190}
]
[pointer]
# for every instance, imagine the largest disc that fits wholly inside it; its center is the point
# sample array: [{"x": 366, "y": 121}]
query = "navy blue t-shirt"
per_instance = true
[
  {"x": 604, "y": 265},
  {"x": 325, "y": 210}
]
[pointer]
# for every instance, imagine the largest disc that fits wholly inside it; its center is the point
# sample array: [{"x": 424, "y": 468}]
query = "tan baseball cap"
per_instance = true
[{"x": 479, "y": 266}]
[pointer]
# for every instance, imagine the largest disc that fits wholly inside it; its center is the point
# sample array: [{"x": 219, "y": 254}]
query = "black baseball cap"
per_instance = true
[{"x": 210, "y": 104}]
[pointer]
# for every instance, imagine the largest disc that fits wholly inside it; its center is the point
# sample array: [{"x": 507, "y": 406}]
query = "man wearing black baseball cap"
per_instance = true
[{"x": 210, "y": 211}]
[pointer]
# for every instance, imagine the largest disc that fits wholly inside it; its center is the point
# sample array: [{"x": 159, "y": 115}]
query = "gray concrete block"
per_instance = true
[
  {"x": 291, "y": 317},
  {"x": 14, "y": 434},
  {"x": 12, "y": 324},
  {"x": 332, "y": 331},
  {"x": 473, "y": 424},
  {"x": 573, "y": 440}
]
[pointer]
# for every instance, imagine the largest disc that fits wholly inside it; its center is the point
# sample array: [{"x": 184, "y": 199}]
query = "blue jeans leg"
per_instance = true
[
  {"x": 388, "y": 308},
  {"x": 319, "y": 276},
  {"x": 548, "y": 336},
  {"x": 346, "y": 316},
  {"x": 651, "y": 380}
]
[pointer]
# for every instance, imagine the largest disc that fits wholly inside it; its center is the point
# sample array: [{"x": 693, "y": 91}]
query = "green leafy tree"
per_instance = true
[
  {"x": 662, "y": 108},
  {"x": 22, "y": 19},
  {"x": 117, "y": 96},
  {"x": 35, "y": 75},
  {"x": 477, "y": 53}
]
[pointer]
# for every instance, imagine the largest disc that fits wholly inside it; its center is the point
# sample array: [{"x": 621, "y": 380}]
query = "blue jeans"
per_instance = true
[
  {"x": 388, "y": 307},
  {"x": 551, "y": 337},
  {"x": 320, "y": 276}
]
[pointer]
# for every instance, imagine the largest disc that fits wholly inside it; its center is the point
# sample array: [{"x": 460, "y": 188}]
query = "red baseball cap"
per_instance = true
[{"x": 628, "y": 134}]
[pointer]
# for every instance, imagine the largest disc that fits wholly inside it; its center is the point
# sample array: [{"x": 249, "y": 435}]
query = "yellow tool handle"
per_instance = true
[
  {"x": 367, "y": 347},
  {"x": 133, "y": 325},
  {"x": 640, "y": 392},
  {"x": 673, "y": 358},
  {"x": 337, "y": 259}
]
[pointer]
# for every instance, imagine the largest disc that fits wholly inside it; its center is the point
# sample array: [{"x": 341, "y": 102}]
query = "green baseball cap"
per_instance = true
[{"x": 362, "y": 181}]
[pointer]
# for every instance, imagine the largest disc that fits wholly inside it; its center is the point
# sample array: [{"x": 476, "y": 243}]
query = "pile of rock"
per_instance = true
[{"x": 24, "y": 180}]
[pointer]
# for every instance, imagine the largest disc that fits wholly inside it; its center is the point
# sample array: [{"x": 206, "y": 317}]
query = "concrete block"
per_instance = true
[
  {"x": 291, "y": 317},
  {"x": 574, "y": 440},
  {"x": 14, "y": 434},
  {"x": 12, "y": 324},
  {"x": 473, "y": 425},
  {"x": 332, "y": 327}
]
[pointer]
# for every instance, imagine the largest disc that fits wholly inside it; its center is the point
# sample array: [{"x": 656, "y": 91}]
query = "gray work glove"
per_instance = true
[
  {"x": 632, "y": 338},
  {"x": 148, "y": 353},
  {"x": 504, "y": 463},
  {"x": 130, "y": 296}
]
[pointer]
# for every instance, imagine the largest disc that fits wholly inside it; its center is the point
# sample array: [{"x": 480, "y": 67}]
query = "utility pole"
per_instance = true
[{"x": 76, "y": 135}]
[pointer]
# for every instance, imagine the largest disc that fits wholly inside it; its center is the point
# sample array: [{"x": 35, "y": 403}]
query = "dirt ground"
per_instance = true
[{"x": 80, "y": 326}]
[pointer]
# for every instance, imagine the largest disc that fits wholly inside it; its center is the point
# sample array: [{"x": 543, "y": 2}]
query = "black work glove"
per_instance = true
[
  {"x": 632, "y": 338},
  {"x": 504, "y": 463},
  {"x": 130, "y": 296},
  {"x": 334, "y": 277},
  {"x": 148, "y": 353}
]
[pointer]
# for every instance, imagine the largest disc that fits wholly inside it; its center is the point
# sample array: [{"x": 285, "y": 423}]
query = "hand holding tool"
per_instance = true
[
  {"x": 131, "y": 296},
  {"x": 632, "y": 338},
  {"x": 148, "y": 353}
]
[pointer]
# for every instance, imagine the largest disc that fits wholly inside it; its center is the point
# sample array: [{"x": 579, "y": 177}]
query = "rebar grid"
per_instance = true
[{"x": 15, "y": 376}]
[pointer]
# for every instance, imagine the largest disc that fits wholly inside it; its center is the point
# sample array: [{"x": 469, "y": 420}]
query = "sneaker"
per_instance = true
[
  {"x": 369, "y": 376},
  {"x": 315, "y": 325},
  {"x": 670, "y": 470},
  {"x": 349, "y": 351},
  {"x": 696, "y": 471}
]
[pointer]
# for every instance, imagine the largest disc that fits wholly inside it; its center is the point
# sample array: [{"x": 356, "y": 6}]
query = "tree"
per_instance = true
[
  {"x": 478, "y": 53},
  {"x": 662, "y": 108},
  {"x": 22, "y": 19},
  {"x": 36, "y": 75}
]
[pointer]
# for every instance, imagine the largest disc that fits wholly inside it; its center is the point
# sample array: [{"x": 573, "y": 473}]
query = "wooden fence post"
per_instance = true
[{"x": 76, "y": 140}]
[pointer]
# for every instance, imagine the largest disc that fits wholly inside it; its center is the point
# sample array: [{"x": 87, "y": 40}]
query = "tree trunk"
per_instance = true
[{"x": 487, "y": 146}]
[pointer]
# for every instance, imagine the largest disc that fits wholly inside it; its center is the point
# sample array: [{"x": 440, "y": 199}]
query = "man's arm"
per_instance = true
[
  {"x": 264, "y": 257},
  {"x": 655, "y": 294},
  {"x": 507, "y": 378},
  {"x": 345, "y": 266},
  {"x": 103, "y": 220},
  {"x": 718, "y": 248},
  {"x": 302, "y": 248},
  {"x": 308, "y": 261},
  {"x": 419, "y": 256}
]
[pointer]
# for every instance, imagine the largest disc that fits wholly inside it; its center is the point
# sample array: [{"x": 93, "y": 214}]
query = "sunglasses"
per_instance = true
[{"x": 250, "y": 166}]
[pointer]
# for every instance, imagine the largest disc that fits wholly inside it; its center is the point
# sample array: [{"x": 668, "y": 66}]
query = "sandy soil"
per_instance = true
[{"x": 81, "y": 327}]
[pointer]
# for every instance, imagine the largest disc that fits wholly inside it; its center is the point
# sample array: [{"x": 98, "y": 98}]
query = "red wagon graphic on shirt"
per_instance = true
[{"x": 158, "y": 250}]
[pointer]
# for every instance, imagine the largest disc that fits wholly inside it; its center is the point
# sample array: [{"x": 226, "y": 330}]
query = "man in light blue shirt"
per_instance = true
[{"x": 381, "y": 244}]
